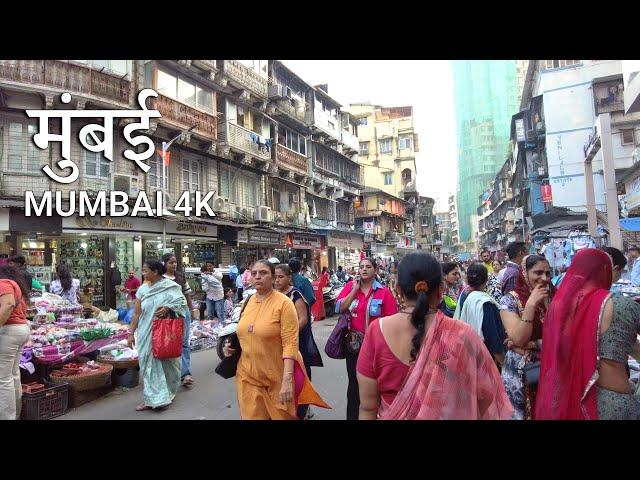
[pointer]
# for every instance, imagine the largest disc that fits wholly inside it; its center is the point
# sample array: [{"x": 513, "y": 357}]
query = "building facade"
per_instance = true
[
  {"x": 486, "y": 95},
  {"x": 278, "y": 153}
]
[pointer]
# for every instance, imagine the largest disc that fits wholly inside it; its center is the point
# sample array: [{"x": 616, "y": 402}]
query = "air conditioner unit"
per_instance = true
[
  {"x": 125, "y": 183},
  {"x": 220, "y": 205},
  {"x": 276, "y": 91},
  {"x": 263, "y": 214},
  {"x": 287, "y": 92}
]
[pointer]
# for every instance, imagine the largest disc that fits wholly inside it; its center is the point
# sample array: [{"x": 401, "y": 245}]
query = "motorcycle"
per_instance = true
[{"x": 330, "y": 294}]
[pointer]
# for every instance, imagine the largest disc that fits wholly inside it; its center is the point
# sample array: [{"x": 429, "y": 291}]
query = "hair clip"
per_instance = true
[{"x": 421, "y": 286}]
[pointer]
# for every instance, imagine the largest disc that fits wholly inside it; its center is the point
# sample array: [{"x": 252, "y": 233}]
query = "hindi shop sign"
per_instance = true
[
  {"x": 257, "y": 237},
  {"x": 306, "y": 241},
  {"x": 344, "y": 240}
]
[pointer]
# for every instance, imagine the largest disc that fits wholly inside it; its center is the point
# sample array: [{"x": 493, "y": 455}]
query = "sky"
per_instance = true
[{"x": 426, "y": 85}]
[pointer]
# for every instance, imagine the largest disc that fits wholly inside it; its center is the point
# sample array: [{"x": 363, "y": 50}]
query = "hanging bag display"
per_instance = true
[{"x": 166, "y": 336}]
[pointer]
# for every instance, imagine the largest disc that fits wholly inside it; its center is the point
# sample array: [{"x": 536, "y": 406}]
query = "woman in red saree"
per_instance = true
[
  {"x": 451, "y": 375},
  {"x": 588, "y": 336}
]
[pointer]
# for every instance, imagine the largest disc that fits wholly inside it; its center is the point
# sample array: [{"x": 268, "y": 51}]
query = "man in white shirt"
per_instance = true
[{"x": 212, "y": 286}]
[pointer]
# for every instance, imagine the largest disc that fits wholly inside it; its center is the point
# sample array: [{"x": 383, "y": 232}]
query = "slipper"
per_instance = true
[
  {"x": 187, "y": 381},
  {"x": 142, "y": 407}
]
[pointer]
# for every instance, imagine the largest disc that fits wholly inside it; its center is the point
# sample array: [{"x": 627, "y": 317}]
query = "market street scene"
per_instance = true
[{"x": 319, "y": 240}]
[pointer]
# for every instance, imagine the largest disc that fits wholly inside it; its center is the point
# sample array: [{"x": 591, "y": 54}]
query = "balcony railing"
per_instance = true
[
  {"x": 245, "y": 77},
  {"x": 207, "y": 65},
  {"x": 243, "y": 138},
  {"x": 184, "y": 116},
  {"x": 67, "y": 77},
  {"x": 292, "y": 160},
  {"x": 286, "y": 107}
]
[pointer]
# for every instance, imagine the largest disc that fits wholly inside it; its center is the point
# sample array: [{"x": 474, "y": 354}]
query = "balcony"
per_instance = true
[
  {"x": 183, "y": 116},
  {"x": 350, "y": 140},
  {"x": 208, "y": 65},
  {"x": 243, "y": 139},
  {"x": 285, "y": 108},
  {"x": 67, "y": 77},
  {"x": 291, "y": 160},
  {"x": 245, "y": 77},
  {"x": 327, "y": 124}
]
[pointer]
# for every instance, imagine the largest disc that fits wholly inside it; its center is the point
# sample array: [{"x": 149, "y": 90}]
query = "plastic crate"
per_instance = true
[{"x": 51, "y": 402}]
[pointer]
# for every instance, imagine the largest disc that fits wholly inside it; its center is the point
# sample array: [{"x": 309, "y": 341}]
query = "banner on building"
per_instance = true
[
  {"x": 546, "y": 193},
  {"x": 369, "y": 227}
]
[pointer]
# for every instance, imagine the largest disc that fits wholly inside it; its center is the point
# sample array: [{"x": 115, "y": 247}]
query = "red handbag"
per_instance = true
[{"x": 166, "y": 337}]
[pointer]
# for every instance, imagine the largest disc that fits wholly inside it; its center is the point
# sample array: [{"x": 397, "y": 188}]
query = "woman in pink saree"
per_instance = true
[{"x": 451, "y": 375}]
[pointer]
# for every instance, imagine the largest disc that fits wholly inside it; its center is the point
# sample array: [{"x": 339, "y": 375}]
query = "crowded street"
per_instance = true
[
  {"x": 212, "y": 397},
  {"x": 319, "y": 240}
]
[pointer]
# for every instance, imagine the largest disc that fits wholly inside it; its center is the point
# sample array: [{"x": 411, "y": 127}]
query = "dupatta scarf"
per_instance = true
[
  {"x": 453, "y": 378},
  {"x": 569, "y": 366}
]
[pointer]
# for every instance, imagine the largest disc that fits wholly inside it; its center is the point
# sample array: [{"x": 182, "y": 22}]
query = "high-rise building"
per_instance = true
[{"x": 486, "y": 95}]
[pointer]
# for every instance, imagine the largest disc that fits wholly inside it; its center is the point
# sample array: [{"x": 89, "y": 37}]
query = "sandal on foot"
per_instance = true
[
  {"x": 187, "y": 381},
  {"x": 142, "y": 407}
]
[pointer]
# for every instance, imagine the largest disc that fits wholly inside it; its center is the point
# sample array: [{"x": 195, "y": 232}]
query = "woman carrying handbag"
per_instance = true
[
  {"x": 365, "y": 299},
  {"x": 157, "y": 300}
]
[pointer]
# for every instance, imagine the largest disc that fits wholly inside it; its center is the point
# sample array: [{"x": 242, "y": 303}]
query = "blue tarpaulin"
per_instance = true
[{"x": 630, "y": 224}]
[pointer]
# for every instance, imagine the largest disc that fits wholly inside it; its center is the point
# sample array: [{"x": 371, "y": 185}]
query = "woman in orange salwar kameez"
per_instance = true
[{"x": 271, "y": 380}]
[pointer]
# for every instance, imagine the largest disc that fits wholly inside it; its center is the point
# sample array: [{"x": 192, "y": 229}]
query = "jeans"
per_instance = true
[
  {"x": 215, "y": 306},
  {"x": 12, "y": 339},
  {"x": 353, "y": 391},
  {"x": 186, "y": 348}
]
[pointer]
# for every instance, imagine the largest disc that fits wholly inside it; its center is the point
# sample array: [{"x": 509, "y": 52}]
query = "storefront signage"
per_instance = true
[
  {"x": 306, "y": 241},
  {"x": 632, "y": 197},
  {"x": 406, "y": 242},
  {"x": 195, "y": 229},
  {"x": 257, "y": 237},
  {"x": 344, "y": 240},
  {"x": 140, "y": 225},
  {"x": 369, "y": 227}
]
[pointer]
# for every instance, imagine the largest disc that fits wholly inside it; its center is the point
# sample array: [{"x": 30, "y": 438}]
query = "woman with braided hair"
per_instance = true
[{"x": 419, "y": 364}]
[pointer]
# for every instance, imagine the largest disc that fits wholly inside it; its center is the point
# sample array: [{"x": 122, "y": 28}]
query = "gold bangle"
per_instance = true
[{"x": 525, "y": 320}]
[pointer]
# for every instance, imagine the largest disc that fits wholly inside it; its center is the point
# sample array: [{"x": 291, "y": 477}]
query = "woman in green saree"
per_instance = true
[{"x": 156, "y": 298}]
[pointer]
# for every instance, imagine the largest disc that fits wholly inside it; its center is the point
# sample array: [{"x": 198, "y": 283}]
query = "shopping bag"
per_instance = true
[{"x": 166, "y": 337}]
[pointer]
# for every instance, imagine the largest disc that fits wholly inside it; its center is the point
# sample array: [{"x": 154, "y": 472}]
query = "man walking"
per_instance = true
[
  {"x": 634, "y": 253},
  {"x": 485, "y": 255},
  {"x": 516, "y": 251},
  {"x": 212, "y": 286}
]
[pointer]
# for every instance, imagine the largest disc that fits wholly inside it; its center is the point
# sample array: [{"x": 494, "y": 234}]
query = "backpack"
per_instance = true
[{"x": 233, "y": 273}]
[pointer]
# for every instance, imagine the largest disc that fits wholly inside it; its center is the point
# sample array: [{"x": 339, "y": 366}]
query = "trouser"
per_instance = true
[
  {"x": 353, "y": 391},
  {"x": 216, "y": 306},
  {"x": 186, "y": 347},
  {"x": 12, "y": 339},
  {"x": 303, "y": 409},
  {"x": 239, "y": 294}
]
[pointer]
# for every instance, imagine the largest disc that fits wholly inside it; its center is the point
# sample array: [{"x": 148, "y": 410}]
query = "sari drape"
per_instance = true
[
  {"x": 568, "y": 370},
  {"x": 161, "y": 378},
  {"x": 453, "y": 378}
]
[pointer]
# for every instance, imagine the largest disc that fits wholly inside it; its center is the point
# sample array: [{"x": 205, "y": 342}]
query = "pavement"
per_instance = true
[{"x": 214, "y": 398}]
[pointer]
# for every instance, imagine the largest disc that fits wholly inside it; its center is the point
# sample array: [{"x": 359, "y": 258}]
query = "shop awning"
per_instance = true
[{"x": 630, "y": 224}]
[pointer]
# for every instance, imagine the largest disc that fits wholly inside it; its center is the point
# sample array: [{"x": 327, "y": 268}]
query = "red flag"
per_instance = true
[{"x": 167, "y": 156}]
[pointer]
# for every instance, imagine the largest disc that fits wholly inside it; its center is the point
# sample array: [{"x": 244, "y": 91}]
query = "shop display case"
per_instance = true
[
  {"x": 198, "y": 255},
  {"x": 86, "y": 260},
  {"x": 124, "y": 255},
  {"x": 33, "y": 253}
]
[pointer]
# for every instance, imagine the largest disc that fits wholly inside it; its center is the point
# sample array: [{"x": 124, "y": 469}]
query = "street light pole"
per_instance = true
[{"x": 165, "y": 148}]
